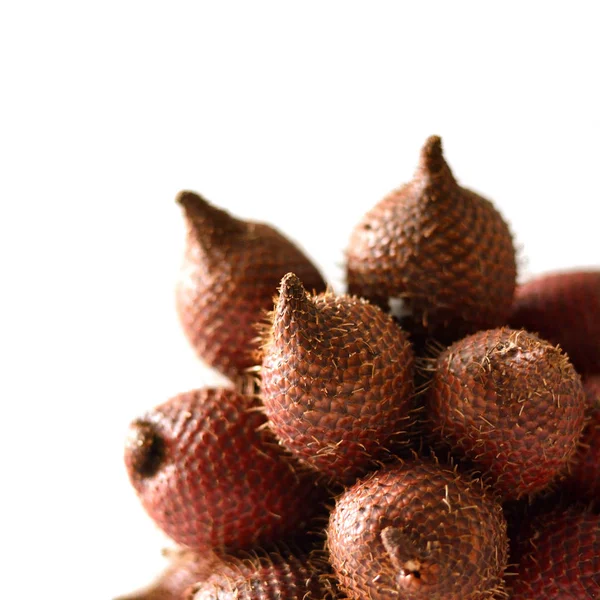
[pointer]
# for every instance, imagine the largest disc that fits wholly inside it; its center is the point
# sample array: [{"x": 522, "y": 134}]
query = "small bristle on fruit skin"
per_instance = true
[
  {"x": 418, "y": 530},
  {"x": 278, "y": 572},
  {"x": 228, "y": 277},
  {"x": 220, "y": 479},
  {"x": 443, "y": 250},
  {"x": 509, "y": 402},
  {"x": 337, "y": 380},
  {"x": 560, "y": 557},
  {"x": 563, "y": 307}
]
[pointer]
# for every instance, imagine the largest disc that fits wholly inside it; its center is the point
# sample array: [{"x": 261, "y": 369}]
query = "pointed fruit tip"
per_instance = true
[
  {"x": 190, "y": 200},
  {"x": 291, "y": 287},
  {"x": 198, "y": 211},
  {"x": 432, "y": 157}
]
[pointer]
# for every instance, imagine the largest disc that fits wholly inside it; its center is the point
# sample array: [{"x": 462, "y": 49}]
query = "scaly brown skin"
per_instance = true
[
  {"x": 560, "y": 557},
  {"x": 509, "y": 402},
  {"x": 563, "y": 308},
  {"x": 442, "y": 249},
  {"x": 337, "y": 380},
  {"x": 418, "y": 531},
  {"x": 211, "y": 475},
  {"x": 583, "y": 479},
  {"x": 281, "y": 573},
  {"x": 228, "y": 278}
]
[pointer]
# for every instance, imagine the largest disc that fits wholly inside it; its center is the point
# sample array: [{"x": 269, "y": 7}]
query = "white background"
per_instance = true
[{"x": 299, "y": 114}]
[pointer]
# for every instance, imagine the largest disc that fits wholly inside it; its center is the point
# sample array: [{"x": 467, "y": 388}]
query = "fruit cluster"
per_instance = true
[{"x": 433, "y": 433}]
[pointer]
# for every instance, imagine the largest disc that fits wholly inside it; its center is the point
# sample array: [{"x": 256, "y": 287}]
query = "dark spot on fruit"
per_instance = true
[{"x": 145, "y": 449}]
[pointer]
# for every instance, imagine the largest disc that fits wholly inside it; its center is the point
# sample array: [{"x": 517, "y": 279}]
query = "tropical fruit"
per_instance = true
[
  {"x": 229, "y": 275},
  {"x": 337, "y": 380},
  {"x": 281, "y": 573},
  {"x": 583, "y": 479},
  {"x": 511, "y": 404},
  {"x": 563, "y": 307},
  {"x": 560, "y": 557},
  {"x": 442, "y": 250},
  {"x": 211, "y": 475},
  {"x": 418, "y": 530}
]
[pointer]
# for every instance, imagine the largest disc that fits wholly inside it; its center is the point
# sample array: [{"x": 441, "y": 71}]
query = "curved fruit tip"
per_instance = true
[
  {"x": 410, "y": 561},
  {"x": 432, "y": 163},
  {"x": 199, "y": 211},
  {"x": 144, "y": 450}
]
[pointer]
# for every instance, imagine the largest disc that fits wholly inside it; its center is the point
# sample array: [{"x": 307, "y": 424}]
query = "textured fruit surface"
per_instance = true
[
  {"x": 509, "y": 402},
  {"x": 230, "y": 273},
  {"x": 185, "y": 568},
  {"x": 274, "y": 574},
  {"x": 441, "y": 248},
  {"x": 211, "y": 475},
  {"x": 337, "y": 379},
  {"x": 564, "y": 308},
  {"x": 417, "y": 531},
  {"x": 584, "y": 473},
  {"x": 561, "y": 560}
]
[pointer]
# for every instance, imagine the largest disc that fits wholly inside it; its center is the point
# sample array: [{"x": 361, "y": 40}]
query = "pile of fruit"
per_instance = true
[{"x": 433, "y": 433}]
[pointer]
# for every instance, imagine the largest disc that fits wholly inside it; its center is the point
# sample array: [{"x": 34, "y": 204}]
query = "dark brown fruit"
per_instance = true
[
  {"x": 211, "y": 475},
  {"x": 418, "y": 531},
  {"x": 185, "y": 568},
  {"x": 443, "y": 250},
  {"x": 509, "y": 402},
  {"x": 274, "y": 574},
  {"x": 563, "y": 308},
  {"x": 561, "y": 559},
  {"x": 337, "y": 379},
  {"x": 583, "y": 480},
  {"x": 230, "y": 273}
]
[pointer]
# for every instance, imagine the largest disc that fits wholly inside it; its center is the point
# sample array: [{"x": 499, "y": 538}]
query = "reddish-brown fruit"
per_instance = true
[
  {"x": 442, "y": 249},
  {"x": 418, "y": 531},
  {"x": 230, "y": 273},
  {"x": 583, "y": 480},
  {"x": 563, "y": 308},
  {"x": 211, "y": 475},
  {"x": 337, "y": 379},
  {"x": 184, "y": 569},
  {"x": 509, "y": 402},
  {"x": 278, "y": 573},
  {"x": 561, "y": 559}
]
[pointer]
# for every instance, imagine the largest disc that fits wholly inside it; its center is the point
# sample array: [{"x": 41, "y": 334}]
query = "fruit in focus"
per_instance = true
[
  {"x": 441, "y": 249},
  {"x": 230, "y": 273},
  {"x": 337, "y": 385},
  {"x": 511, "y": 403},
  {"x": 337, "y": 379},
  {"x": 417, "y": 530},
  {"x": 211, "y": 475}
]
